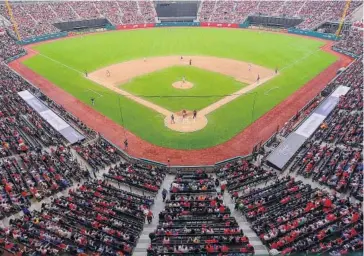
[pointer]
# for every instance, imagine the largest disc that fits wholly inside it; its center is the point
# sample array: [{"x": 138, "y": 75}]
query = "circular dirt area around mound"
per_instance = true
[
  {"x": 182, "y": 85},
  {"x": 185, "y": 123}
]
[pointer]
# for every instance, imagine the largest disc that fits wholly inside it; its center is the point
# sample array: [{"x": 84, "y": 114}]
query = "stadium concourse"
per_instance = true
[{"x": 75, "y": 193}]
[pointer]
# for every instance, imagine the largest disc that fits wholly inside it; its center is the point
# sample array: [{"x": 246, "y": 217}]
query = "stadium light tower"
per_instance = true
[{"x": 13, "y": 22}]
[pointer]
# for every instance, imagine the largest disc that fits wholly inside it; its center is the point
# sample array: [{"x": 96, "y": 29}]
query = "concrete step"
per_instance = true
[
  {"x": 139, "y": 252},
  {"x": 144, "y": 241},
  {"x": 142, "y": 246}
]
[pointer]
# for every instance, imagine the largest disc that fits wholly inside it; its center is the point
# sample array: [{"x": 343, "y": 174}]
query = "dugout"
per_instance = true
[
  {"x": 82, "y": 25},
  {"x": 176, "y": 11},
  {"x": 273, "y": 22}
]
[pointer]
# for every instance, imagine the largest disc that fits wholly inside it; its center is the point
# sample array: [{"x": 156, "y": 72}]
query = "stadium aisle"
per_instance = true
[{"x": 144, "y": 241}]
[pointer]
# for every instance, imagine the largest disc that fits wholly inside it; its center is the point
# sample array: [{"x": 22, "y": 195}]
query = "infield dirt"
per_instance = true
[{"x": 112, "y": 77}]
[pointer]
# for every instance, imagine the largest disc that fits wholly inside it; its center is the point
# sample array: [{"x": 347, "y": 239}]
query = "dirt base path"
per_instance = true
[
  {"x": 240, "y": 145},
  {"x": 121, "y": 73},
  {"x": 115, "y": 75}
]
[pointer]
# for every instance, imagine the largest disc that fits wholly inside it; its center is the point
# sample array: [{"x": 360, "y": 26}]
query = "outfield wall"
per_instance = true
[
  {"x": 245, "y": 24},
  {"x": 313, "y": 34},
  {"x": 219, "y": 25},
  {"x": 43, "y": 38},
  {"x": 134, "y": 26}
]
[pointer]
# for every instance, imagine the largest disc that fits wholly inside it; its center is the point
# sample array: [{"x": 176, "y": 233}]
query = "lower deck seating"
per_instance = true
[
  {"x": 94, "y": 219},
  {"x": 195, "y": 221},
  {"x": 36, "y": 175},
  {"x": 144, "y": 177},
  {"x": 292, "y": 217}
]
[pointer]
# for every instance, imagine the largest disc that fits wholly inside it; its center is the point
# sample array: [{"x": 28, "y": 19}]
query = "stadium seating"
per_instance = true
[
  {"x": 99, "y": 154},
  {"x": 333, "y": 155},
  {"x": 313, "y": 13},
  {"x": 352, "y": 41},
  {"x": 291, "y": 217},
  {"x": 37, "y": 18},
  {"x": 242, "y": 174},
  {"x": 143, "y": 177},
  {"x": 22, "y": 128},
  {"x": 8, "y": 47},
  {"x": 37, "y": 175},
  {"x": 94, "y": 219},
  {"x": 195, "y": 220}
]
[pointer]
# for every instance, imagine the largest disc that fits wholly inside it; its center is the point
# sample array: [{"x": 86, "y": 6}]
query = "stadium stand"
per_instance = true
[
  {"x": 292, "y": 217},
  {"x": 93, "y": 219},
  {"x": 36, "y": 18},
  {"x": 8, "y": 47},
  {"x": 314, "y": 13},
  {"x": 352, "y": 41},
  {"x": 144, "y": 177},
  {"x": 37, "y": 175},
  {"x": 23, "y": 128},
  {"x": 243, "y": 173},
  {"x": 333, "y": 155},
  {"x": 99, "y": 154},
  {"x": 195, "y": 220},
  {"x": 97, "y": 217}
]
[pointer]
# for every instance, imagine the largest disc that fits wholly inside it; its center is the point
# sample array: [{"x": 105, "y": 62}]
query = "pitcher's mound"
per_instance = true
[
  {"x": 182, "y": 85},
  {"x": 187, "y": 123}
]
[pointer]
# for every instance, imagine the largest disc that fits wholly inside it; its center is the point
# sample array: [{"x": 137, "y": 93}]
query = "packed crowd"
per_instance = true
[
  {"x": 242, "y": 174},
  {"x": 313, "y": 12},
  {"x": 37, "y": 175},
  {"x": 333, "y": 156},
  {"x": 352, "y": 41},
  {"x": 98, "y": 154},
  {"x": 37, "y": 18},
  {"x": 291, "y": 217},
  {"x": 359, "y": 24},
  {"x": 197, "y": 221},
  {"x": 143, "y": 177},
  {"x": 94, "y": 219},
  {"x": 21, "y": 128},
  {"x": 8, "y": 47}
]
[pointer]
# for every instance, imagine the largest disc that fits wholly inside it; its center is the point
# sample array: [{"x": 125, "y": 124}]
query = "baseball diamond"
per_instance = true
[
  {"x": 299, "y": 64},
  {"x": 184, "y": 127}
]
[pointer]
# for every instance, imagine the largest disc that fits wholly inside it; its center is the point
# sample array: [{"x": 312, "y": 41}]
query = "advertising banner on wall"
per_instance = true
[
  {"x": 219, "y": 25},
  {"x": 134, "y": 26}
]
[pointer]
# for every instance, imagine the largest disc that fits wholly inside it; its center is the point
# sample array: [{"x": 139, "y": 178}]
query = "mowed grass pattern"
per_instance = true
[
  {"x": 300, "y": 59},
  {"x": 208, "y": 88}
]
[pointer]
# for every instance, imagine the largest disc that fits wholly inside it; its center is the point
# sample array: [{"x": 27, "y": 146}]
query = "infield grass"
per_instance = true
[
  {"x": 208, "y": 87},
  {"x": 300, "y": 59}
]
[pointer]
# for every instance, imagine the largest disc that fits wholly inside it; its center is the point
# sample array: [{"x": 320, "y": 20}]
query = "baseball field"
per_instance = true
[{"x": 138, "y": 79}]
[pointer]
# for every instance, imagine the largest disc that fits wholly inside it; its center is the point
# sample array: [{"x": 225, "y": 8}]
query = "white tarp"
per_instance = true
[
  {"x": 288, "y": 148},
  {"x": 52, "y": 118},
  {"x": 310, "y": 125}
]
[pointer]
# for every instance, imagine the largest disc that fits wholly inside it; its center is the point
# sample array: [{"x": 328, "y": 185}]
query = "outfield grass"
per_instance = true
[
  {"x": 208, "y": 88},
  {"x": 299, "y": 57}
]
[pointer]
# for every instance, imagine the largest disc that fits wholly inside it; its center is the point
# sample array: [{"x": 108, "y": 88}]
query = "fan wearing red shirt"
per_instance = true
[{"x": 224, "y": 248}]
